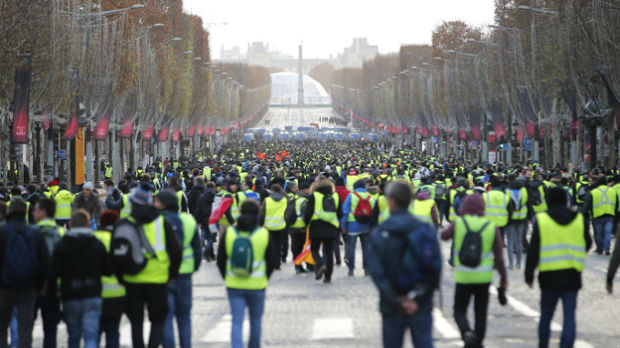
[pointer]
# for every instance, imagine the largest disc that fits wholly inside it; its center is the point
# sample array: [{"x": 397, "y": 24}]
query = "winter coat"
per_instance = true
[{"x": 320, "y": 229}]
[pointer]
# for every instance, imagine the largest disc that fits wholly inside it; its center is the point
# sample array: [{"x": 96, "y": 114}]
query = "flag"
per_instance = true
[
  {"x": 278, "y": 157},
  {"x": 221, "y": 205},
  {"x": 21, "y": 102},
  {"x": 283, "y": 153},
  {"x": 101, "y": 129},
  {"x": 148, "y": 132},
  {"x": 306, "y": 254},
  {"x": 127, "y": 129},
  {"x": 176, "y": 134},
  {"x": 191, "y": 131},
  {"x": 47, "y": 123},
  {"x": 72, "y": 127},
  {"x": 163, "y": 133},
  {"x": 261, "y": 155}
]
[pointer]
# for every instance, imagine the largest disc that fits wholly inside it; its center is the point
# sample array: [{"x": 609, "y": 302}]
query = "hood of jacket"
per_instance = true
[
  {"x": 63, "y": 194},
  {"x": 516, "y": 185},
  {"x": 324, "y": 187},
  {"x": 144, "y": 213},
  {"x": 277, "y": 196},
  {"x": 422, "y": 196},
  {"x": 247, "y": 222},
  {"x": 473, "y": 205}
]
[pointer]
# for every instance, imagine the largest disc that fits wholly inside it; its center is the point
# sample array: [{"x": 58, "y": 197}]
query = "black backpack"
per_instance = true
[
  {"x": 329, "y": 204},
  {"x": 129, "y": 248},
  {"x": 471, "y": 249},
  {"x": 19, "y": 268}
]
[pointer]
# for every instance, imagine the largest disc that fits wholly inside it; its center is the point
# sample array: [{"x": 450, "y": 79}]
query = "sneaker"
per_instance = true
[
  {"x": 471, "y": 339},
  {"x": 320, "y": 272},
  {"x": 327, "y": 281},
  {"x": 607, "y": 253},
  {"x": 351, "y": 273},
  {"x": 299, "y": 270}
]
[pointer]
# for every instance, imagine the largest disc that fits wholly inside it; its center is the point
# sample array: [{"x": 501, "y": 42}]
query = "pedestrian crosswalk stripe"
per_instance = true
[
  {"x": 332, "y": 328},
  {"x": 443, "y": 326},
  {"x": 221, "y": 332}
]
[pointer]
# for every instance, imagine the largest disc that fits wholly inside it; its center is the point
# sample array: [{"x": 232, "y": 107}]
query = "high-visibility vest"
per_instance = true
[
  {"x": 561, "y": 246},
  {"x": 139, "y": 173},
  {"x": 543, "y": 202},
  {"x": 299, "y": 222},
  {"x": 63, "y": 199},
  {"x": 423, "y": 210},
  {"x": 355, "y": 201},
  {"x": 351, "y": 179},
  {"x": 108, "y": 172},
  {"x": 157, "y": 269},
  {"x": 445, "y": 189},
  {"x": 604, "y": 201},
  {"x": 320, "y": 214},
  {"x": 189, "y": 231},
  {"x": 430, "y": 189},
  {"x": 235, "y": 206},
  {"x": 453, "y": 213},
  {"x": 110, "y": 286},
  {"x": 180, "y": 198},
  {"x": 384, "y": 208},
  {"x": 274, "y": 214},
  {"x": 483, "y": 273},
  {"x": 126, "y": 210},
  {"x": 258, "y": 279},
  {"x": 521, "y": 213},
  {"x": 206, "y": 173},
  {"x": 224, "y": 220},
  {"x": 51, "y": 223},
  {"x": 496, "y": 207}
]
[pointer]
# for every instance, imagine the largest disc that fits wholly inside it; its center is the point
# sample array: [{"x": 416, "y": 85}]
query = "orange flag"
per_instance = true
[
  {"x": 261, "y": 155},
  {"x": 278, "y": 157},
  {"x": 283, "y": 153}
]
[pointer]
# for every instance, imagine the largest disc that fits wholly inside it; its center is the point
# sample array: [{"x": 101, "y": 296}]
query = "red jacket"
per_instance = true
[{"x": 343, "y": 193}]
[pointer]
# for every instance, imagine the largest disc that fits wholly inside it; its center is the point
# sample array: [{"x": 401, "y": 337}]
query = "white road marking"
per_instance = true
[
  {"x": 221, "y": 332},
  {"x": 443, "y": 326},
  {"x": 332, "y": 328},
  {"x": 529, "y": 312}
]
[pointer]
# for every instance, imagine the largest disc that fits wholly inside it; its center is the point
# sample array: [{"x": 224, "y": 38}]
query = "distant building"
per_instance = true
[
  {"x": 258, "y": 54},
  {"x": 355, "y": 55},
  {"x": 231, "y": 54}
]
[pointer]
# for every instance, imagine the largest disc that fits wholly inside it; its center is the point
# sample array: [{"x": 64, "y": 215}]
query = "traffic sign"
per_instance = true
[
  {"x": 505, "y": 147},
  {"x": 61, "y": 154}
]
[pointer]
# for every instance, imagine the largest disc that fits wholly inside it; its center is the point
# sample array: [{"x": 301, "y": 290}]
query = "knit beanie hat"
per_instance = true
[{"x": 141, "y": 195}]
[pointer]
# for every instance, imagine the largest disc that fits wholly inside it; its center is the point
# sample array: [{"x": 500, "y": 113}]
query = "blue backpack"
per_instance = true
[
  {"x": 19, "y": 268},
  {"x": 242, "y": 255},
  {"x": 421, "y": 259}
]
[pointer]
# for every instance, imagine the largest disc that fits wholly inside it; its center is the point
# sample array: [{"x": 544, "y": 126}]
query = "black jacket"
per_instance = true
[
  {"x": 321, "y": 229},
  {"x": 561, "y": 280},
  {"x": 79, "y": 260},
  {"x": 145, "y": 214},
  {"x": 246, "y": 223},
  {"x": 204, "y": 206},
  {"x": 18, "y": 221},
  {"x": 192, "y": 199}
]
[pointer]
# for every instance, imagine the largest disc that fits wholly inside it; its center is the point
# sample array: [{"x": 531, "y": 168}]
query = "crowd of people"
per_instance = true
[{"x": 99, "y": 254}]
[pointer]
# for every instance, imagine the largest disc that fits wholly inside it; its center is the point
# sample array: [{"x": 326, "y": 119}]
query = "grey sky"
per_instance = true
[{"x": 327, "y": 26}]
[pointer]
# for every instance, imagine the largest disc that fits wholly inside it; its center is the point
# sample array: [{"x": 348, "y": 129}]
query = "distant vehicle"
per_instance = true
[
  {"x": 322, "y": 136},
  {"x": 267, "y": 136},
  {"x": 288, "y": 128},
  {"x": 373, "y": 137},
  {"x": 300, "y": 135},
  {"x": 285, "y": 136},
  {"x": 354, "y": 136},
  {"x": 339, "y": 136},
  {"x": 315, "y": 125},
  {"x": 248, "y": 137},
  {"x": 276, "y": 132}
]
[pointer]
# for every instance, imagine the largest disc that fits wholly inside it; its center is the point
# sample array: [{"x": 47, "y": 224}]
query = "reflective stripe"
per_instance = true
[
  {"x": 159, "y": 238},
  {"x": 566, "y": 257},
  {"x": 605, "y": 200},
  {"x": 112, "y": 287},
  {"x": 481, "y": 269},
  {"x": 63, "y": 206},
  {"x": 561, "y": 247},
  {"x": 423, "y": 218},
  {"x": 273, "y": 221}
]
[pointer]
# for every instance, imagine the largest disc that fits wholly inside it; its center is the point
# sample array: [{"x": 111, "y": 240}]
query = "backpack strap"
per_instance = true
[
  {"x": 470, "y": 230},
  {"x": 360, "y": 197}
]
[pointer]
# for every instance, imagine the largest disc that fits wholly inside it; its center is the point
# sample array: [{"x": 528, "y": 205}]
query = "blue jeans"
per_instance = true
[
  {"x": 13, "y": 329},
  {"x": 110, "y": 325},
  {"x": 255, "y": 301},
  {"x": 420, "y": 327},
  {"x": 82, "y": 319},
  {"x": 179, "y": 306},
  {"x": 548, "y": 301},
  {"x": 514, "y": 233},
  {"x": 210, "y": 239},
  {"x": 350, "y": 249},
  {"x": 603, "y": 227}
]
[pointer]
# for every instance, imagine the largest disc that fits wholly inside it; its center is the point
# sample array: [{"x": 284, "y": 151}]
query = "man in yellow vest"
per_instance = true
[
  {"x": 498, "y": 205},
  {"x": 150, "y": 286},
  {"x": 112, "y": 291},
  {"x": 602, "y": 204},
  {"x": 474, "y": 273},
  {"x": 560, "y": 240},
  {"x": 517, "y": 225},
  {"x": 64, "y": 200},
  {"x": 424, "y": 208},
  {"x": 246, "y": 273},
  {"x": 43, "y": 214},
  {"x": 298, "y": 228},
  {"x": 272, "y": 218},
  {"x": 358, "y": 226},
  {"x": 108, "y": 171},
  {"x": 180, "y": 291}
]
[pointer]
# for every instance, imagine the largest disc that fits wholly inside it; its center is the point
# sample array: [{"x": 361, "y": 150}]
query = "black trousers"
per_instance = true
[
  {"x": 298, "y": 238},
  {"x": 155, "y": 297},
  {"x": 24, "y": 300},
  {"x": 328, "y": 255},
  {"x": 462, "y": 295},
  {"x": 279, "y": 238}
]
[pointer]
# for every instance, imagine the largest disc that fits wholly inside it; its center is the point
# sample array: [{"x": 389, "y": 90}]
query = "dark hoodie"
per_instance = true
[
  {"x": 143, "y": 214},
  {"x": 562, "y": 280},
  {"x": 246, "y": 223},
  {"x": 320, "y": 229},
  {"x": 474, "y": 205}
]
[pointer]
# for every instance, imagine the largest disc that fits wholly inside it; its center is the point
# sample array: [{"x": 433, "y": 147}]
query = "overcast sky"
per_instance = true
[{"x": 325, "y": 27}]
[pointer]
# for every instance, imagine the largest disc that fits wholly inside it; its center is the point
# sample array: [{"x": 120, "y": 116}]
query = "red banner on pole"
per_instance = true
[
  {"x": 47, "y": 121},
  {"x": 176, "y": 134},
  {"x": 127, "y": 129},
  {"x": 72, "y": 127},
  {"x": 163, "y": 133},
  {"x": 21, "y": 102},
  {"x": 191, "y": 131},
  {"x": 148, "y": 132},
  {"x": 102, "y": 127}
]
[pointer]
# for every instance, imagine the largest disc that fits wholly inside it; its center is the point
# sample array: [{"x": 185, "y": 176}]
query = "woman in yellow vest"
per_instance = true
[
  {"x": 475, "y": 281},
  {"x": 560, "y": 241},
  {"x": 272, "y": 218},
  {"x": 112, "y": 292},
  {"x": 246, "y": 289}
]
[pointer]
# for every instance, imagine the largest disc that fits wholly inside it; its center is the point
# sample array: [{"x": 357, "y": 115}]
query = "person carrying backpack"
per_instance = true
[
  {"x": 149, "y": 285},
  {"x": 323, "y": 214},
  {"x": 272, "y": 218},
  {"x": 424, "y": 209},
  {"x": 43, "y": 215},
  {"x": 24, "y": 261},
  {"x": 360, "y": 213},
  {"x": 406, "y": 278},
  {"x": 478, "y": 249},
  {"x": 246, "y": 259}
]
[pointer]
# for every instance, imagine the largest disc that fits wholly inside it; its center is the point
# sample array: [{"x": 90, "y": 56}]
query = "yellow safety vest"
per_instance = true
[
  {"x": 299, "y": 223},
  {"x": 561, "y": 246},
  {"x": 189, "y": 231},
  {"x": 258, "y": 279},
  {"x": 384, "y": 208},
  {"x": 108, "y": 172},
  {"x": 496, "y": 207},
  {"x": 483, "y": 273},
  {"x": 423, "y": 210},
  {"x": 157, "y": 269},
  {"x": 603, "y": 201},
  {"x": 521, "y": 213},
  {"x": 453, "y": 213},
  {"x": 64, "y": 199},
  {"x": 274, "y": 214},
  {"x": 320, "y": 214},
  {"x": 543, "y": 203},
  {"x": 126, "y": 210},
  {"x": 180, "y": 198},
  {"x": 110, "y": 286}
]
